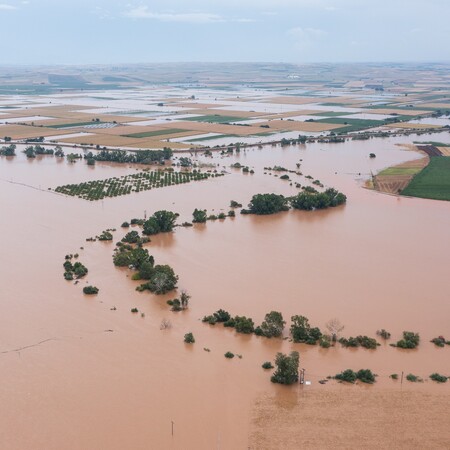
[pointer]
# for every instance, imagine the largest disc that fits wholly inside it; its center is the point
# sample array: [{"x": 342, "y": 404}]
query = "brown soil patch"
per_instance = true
[
  {"x": 300, "y": 112},
  {"x": 444, "y": 150},
  {"x": 437, "y": 105},
  {"x": 120, "y": 141},
  {"x": 104, "y": 140},
  {"x": 352, "y": 417},
  {"x": 25, "y": 132},
  {"x": 394, "y": 183}
]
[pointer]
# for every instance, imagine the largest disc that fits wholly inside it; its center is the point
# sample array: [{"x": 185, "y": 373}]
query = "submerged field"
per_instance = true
[{"x": 107, "y": 371}]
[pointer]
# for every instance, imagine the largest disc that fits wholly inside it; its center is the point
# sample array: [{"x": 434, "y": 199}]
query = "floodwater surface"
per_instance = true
[{"x": 84, "y": 372}]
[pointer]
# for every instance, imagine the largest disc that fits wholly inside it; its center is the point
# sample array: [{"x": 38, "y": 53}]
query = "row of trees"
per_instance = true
[
  {"x": 265, "y": 204},
  {"x": 140, "y": 157}
]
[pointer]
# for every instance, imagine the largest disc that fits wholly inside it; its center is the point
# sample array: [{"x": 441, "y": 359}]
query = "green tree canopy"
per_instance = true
[{"x": 286, "y": 368}]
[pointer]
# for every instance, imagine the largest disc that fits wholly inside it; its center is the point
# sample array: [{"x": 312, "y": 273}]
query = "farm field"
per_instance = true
[
  {"x": 433, "y": 181},
  {"x": 180, "y": 116}
]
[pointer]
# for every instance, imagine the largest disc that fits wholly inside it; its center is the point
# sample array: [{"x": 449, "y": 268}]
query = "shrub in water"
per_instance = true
[{"x": 90, "y": 290}]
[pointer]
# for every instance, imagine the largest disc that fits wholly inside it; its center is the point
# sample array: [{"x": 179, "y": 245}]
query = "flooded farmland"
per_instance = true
[{"x": 78, "y": 373}]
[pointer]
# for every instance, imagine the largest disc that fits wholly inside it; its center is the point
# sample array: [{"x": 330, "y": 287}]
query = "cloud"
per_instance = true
[
  {"x": 305, "y": 38},
  {"x": 5, "y": 7},
  {"x": 142, "y": 12},
  {"x": 300, "y": 33}
]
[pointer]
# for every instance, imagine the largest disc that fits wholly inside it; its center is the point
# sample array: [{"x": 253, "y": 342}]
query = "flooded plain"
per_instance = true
[{"x": 78, "y": 374}]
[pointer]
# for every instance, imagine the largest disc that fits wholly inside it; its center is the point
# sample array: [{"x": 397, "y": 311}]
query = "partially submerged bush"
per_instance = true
[
  {"x": 413, "y": 378},
  {"x": 410, "y": 340},
  {"x": 267, "y": 365},
  {"x": 161, "y": 281},
  {"x": 383, "y": 334},
  {"x": 131, "y": 237},
  {"x": 243, "y": 324},
  {"x": 90, "y": 290},
  {"x": 199, "y": 216},
  {"x": 222, "y": 315},
  {"x": 308, "y": 201},
  {"x": 235, "y": 204},
  {"x": 438, "y": 378},
  {"x": 325, "y": 341},
  {"x": 440, "y": 341},
  {"x": 302, "y": 332},
  {"x": 229, "y": 355},
  {"x": 359, "y": 341},
  {"x": 363, "y": 375},
  {"x": 189, "y": 338},
  {"x": 347, "y": 375}
]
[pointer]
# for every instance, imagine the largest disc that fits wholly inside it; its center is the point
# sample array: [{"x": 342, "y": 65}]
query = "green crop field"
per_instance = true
[
  {"x": 433, "y": 181},
  {"x": 146, "y": 134},
  {"x": 216, "y": 119},
  {"x": 352, "y": 124},
  {"x": 400, "y": 171}
]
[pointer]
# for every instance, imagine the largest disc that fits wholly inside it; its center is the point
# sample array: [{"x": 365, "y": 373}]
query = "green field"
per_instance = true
[
  {"x": 400, "y": 171},
  {"x": 433, "y": 181},
  {"x": 216, "y": 119},
  {"x": 332, "y": 114},
  {"x": 352, "y": 124},
  {"x": 146, "y": 134}
]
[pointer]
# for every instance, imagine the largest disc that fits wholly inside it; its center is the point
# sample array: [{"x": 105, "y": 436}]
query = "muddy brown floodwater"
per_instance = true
[{"x": 380, "y": 261}]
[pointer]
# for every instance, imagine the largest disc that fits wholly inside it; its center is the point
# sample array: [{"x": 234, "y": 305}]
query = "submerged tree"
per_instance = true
[
  {"x": 286, "y": 368},
  {"x": 272, "y": 325},
  {"x": 334, "y": 326},
  {"x": 199, "y": 216},
  {"x": 264, "y": 204},
  {"x": 160, "y": 222}
]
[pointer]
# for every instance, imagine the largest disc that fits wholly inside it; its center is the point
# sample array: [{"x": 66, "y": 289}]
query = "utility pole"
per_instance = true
[
  {"x": 172, "y": 427},
  {"x": 401, "y": 382}
]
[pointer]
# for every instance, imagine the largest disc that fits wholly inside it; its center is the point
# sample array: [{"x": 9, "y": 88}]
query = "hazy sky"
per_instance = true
[{"x": 116, "y": 31}]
